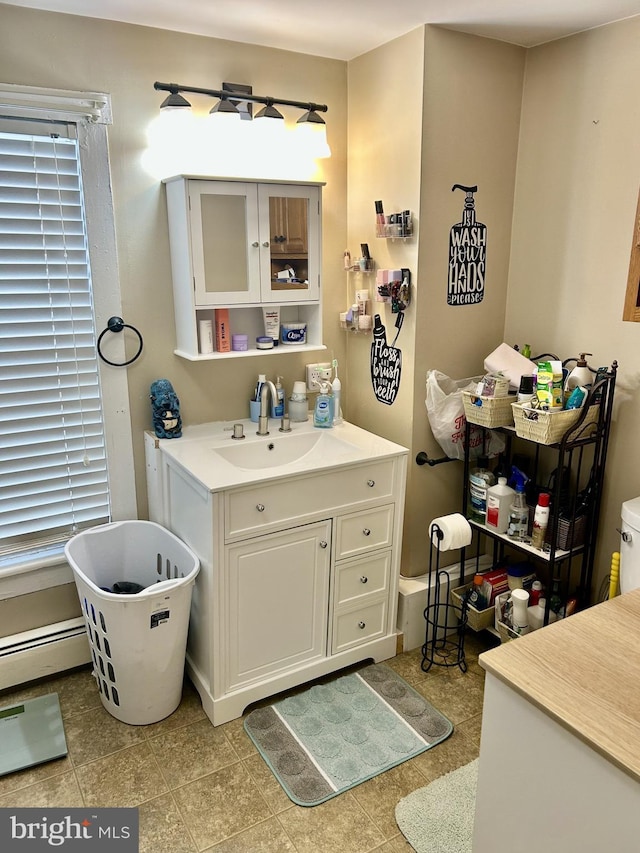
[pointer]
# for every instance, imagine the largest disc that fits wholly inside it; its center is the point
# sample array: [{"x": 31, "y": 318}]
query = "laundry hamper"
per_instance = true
[{"x": 138, "y": 642}]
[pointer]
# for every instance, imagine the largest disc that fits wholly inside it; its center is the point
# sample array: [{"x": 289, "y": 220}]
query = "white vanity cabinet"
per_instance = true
[
  {"x": 241, "y": 245},
  {"x": 299, "y": 574}
]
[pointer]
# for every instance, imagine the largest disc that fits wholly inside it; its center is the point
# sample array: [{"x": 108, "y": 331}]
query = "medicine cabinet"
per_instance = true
[{"x": 242, "y": 245}]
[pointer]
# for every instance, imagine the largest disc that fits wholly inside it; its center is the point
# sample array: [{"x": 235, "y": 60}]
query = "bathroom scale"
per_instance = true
[{"x": 31, "y": 732}]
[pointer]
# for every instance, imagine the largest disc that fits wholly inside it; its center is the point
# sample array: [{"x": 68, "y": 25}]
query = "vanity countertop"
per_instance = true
[
  {"x": 199, "y": 451},
  {"x": 584, "y": 672}
]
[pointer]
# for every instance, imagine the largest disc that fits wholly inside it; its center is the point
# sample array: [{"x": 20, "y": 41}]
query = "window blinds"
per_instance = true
[{"x": 53, "y": 471}]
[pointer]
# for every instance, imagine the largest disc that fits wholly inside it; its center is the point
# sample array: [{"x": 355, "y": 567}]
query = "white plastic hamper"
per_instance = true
[{"x": 138, "y": 642}]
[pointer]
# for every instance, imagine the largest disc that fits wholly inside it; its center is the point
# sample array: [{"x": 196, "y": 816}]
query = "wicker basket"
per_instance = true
[
  {"x": 506, "y": 633},
  {"x": 548, "y": 427},
  {"x": 478, "y": 620},
  {"x": 487, "y": 411}
]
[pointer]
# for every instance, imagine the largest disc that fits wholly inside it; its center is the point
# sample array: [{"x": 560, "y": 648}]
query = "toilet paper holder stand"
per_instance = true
[{"x": 444, "y": 622}]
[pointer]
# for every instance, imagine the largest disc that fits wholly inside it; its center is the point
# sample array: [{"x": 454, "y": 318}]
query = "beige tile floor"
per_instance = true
[{"x": 200, "y": 788}]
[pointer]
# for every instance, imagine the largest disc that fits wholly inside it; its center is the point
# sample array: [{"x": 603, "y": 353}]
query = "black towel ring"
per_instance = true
[{"x": 117, "y": 324}]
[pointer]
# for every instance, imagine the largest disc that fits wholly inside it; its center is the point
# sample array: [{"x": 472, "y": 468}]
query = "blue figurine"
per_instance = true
[{"x": 165, "y": 406}]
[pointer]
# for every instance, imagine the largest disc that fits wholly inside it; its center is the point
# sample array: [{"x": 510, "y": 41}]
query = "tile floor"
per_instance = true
[{"x": 200, "y": 788}]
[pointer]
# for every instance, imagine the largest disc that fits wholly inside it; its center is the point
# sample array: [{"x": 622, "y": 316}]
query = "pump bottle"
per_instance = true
[
  {"x": 323, "y": 412},
  {"x": 580, "y": 375}
]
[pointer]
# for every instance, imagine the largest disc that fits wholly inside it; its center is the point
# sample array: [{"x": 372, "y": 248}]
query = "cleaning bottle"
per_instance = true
[
  {"x": 336, "y": 389},
  {"x": 323, "y": 412},
  {"x": 540, "y": 520},
  {"x": 518, "y": 511},
  {"x": 499, "y": 500},
  {"x": 480, "y": 478},
  {"x": 277, "y": 411},
  {"x": 580, "y": 375}
]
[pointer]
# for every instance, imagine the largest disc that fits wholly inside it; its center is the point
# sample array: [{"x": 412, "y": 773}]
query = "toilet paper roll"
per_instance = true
[{"x": 455, "y": 529}]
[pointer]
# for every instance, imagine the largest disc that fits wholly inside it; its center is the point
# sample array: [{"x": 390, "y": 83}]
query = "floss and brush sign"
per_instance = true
[{"x": 467, "y": 254}]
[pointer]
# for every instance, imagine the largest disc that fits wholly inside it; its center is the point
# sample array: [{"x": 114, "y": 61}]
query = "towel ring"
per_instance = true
[{"x": 117, "y": 324}]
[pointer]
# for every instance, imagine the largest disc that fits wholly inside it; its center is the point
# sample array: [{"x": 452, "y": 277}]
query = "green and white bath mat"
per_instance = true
[{"x": 339, "y": 733}]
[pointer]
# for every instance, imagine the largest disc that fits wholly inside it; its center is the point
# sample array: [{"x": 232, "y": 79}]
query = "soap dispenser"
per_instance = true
[
  {"x": 323, "y": 412},
  {"x": 580, "y": 375}
]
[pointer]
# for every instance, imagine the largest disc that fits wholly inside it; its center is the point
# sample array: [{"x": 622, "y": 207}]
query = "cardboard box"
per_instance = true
[{"x": 223, "y": 336}]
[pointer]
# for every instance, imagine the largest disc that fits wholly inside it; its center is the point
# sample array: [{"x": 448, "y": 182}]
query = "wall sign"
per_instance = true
[
  {"x": 386, "y": 362},
  {"x": 467, "y": 254}
]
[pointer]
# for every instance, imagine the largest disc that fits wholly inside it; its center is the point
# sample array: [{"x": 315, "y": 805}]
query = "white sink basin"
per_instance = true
[
  {"x": 274, "y": 451},
  {"x": 208, "y": 452}
]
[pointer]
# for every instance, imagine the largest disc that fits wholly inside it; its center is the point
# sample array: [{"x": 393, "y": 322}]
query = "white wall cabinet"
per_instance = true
[
  {"x": 298, "y": 578},
  {"x": 231, "y": 243}
]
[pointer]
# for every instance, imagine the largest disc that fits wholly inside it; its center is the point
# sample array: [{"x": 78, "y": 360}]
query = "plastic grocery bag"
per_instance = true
[{"x": 445, "y": 411}]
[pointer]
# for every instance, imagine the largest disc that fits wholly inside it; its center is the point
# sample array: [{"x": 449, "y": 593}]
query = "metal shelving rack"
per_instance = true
[{"x": 582, "y": 453}]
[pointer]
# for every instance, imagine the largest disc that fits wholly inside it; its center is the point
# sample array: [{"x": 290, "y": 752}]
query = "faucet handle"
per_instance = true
[
  {"x": 285, "y": 424},
  {"x": 238, "y": 431}
]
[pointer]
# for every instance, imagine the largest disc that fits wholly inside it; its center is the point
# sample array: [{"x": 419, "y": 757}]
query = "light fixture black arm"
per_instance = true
[{"x": 175, "y": 88}]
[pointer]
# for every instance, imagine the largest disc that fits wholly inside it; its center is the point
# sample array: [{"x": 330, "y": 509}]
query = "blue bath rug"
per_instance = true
[{"x": 338, "y": 733}]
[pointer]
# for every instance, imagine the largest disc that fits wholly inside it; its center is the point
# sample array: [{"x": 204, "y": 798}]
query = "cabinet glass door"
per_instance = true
[
  {"x": 225, "y": 242},
  {"x": 291, "y": 217}
]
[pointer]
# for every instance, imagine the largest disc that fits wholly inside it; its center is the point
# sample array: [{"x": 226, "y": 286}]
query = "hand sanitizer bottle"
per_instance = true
[{"x": 323, "y": 412}]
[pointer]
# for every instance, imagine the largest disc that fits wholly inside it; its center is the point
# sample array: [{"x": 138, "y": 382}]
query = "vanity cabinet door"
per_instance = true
[{"x": 277, "y": 589}]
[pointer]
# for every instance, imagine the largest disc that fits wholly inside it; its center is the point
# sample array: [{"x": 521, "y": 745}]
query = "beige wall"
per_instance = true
[
  {"x": 69, "y": 52},
  {"x": 425, "y": 111},
  {"x": 451, "y": 108},
  {"x": 576, "y": 194}
]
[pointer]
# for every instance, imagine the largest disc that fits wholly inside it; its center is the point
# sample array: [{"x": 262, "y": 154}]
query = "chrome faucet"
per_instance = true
[{"x": 268, "y": 388}]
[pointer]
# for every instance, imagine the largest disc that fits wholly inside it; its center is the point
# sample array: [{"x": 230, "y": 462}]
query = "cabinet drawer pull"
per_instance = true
[
  {"x": 371, "y": 483},
  {"x": 366, "y": 531},
  {"x": 260, "y": 507},
  {"x": 255, "y": 244},
  {"x": 362, "y": 625},
  {"x": 323, "y": 544},
  {"x": 266, "y": 244},
  {"x": 364, "y": 579}
]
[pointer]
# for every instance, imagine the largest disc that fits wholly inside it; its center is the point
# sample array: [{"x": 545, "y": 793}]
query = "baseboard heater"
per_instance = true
[{"x": 43, "y": 651}]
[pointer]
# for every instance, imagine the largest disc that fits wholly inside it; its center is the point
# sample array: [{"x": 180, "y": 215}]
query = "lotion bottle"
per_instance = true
[{"x": 580, "y": 375}]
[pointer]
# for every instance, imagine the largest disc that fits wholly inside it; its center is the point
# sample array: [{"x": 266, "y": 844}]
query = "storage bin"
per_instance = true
[
  {"x": 549, "y": 427},
  {"x": 478, "y": 620},
  {"x": 488, "y": 412},
  {"x": 138, "y": 642}
]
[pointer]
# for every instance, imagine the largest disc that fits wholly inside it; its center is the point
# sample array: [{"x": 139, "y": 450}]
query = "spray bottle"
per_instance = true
[{"x": 519, "y": 511}]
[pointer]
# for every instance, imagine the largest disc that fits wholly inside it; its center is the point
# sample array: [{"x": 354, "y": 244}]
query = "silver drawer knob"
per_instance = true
[
  {"x": 323, "y": 544},
  {"x": 255, "y": 245},
  {"x": 364, "y": 579},
  {"x": 366, "y": 531},
  {"x": 260, "y": 507},
  {"x": 266, "y": 244},
  {"x": 362, "y": 625},
  {"x": 371, "y": 483}
]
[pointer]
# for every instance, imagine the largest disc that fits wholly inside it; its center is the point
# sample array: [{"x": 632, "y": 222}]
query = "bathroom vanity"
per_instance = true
[{"x": 299, "y": 539}]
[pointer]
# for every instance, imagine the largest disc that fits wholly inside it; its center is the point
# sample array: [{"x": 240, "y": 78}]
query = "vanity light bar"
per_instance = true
[{"x": 236, "y": 93}]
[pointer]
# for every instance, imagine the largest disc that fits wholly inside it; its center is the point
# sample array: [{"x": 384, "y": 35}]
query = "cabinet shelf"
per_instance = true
[
  {"x": 525, "y": 547},
  {"x": 280, "y": 350}
]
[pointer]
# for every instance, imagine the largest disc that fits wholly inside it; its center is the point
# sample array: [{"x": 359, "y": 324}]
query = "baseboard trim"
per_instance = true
[{"x": 43, "y": 651}]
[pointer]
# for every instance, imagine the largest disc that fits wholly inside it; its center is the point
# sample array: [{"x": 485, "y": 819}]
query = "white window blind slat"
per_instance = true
[{"x": 53, "y": 470}]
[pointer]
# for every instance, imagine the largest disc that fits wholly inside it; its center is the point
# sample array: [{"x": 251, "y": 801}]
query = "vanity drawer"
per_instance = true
[
  {"x": 257, "y": 509},
  {"x": 362, "y": 576},
  {"x": 353, "y": 627},
  {"x": 364, "y": 531}
]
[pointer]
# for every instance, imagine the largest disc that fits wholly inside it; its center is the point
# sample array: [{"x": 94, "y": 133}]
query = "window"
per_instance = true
[{"x": 56, "y": 415}]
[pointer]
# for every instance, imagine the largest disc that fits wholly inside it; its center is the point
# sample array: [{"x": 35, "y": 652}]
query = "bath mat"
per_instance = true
[
  {"x": 439, "y": 817},
  {"x": 341, "y": 732}
]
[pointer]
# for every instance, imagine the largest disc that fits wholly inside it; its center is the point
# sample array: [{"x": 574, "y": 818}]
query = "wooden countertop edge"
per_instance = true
[{"x": 584, "y": 673}]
